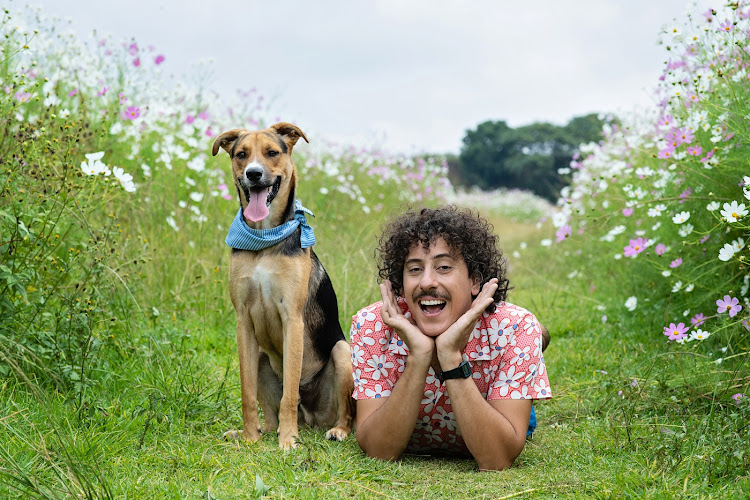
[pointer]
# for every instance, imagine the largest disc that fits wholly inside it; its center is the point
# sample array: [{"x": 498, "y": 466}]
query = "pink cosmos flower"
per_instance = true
[
  {"x": 133, "y": 49},
  {"x": 72, "y": 92},
  {"x": 698, "y": 319},
  {"x": 666, "y": 152},
  {"x": 676, "y": 332},
  {"x": 708, "y": 156},
  {"x": 676, "y": 263},
  {"x": 122, "y": 98},
  {"x": 636, "y": 246},
  {"x": 190, "y": 119},
  {"x": 131, "y": 113},
  {"x": 203, "y": 115},
  {"x": 23, "y": 96},
  {"x": 738, "y": 396},
  {"x": 660, "y": 249},
  {"x": 159, "y": 59},
  {"x": 694, "y": 150},
  {"x": 728, "y": 304},
  {"x": 563, "y": 233},
  {"x": 627, "y": 212},
  {"x": 137, "y": 62},
  {"x": 726, "y": 26},
  {"x": 103, "y": 91}
]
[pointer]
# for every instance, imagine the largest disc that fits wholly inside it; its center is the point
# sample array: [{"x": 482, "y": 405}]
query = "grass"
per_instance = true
[{"x": 152, "y": 425}]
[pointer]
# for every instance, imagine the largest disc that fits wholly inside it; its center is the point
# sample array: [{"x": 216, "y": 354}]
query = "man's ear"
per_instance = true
[
  {"x": 289, "y": 134},
  {"x": 476, "y": 286},
  {"x": 226, "y": 141}
]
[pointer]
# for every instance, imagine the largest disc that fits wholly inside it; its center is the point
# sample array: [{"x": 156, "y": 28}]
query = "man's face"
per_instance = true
[{"x": 437, "y": 286}]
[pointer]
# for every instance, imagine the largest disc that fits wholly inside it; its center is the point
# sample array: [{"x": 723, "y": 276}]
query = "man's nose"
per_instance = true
[{"x": 428, "y": 281}]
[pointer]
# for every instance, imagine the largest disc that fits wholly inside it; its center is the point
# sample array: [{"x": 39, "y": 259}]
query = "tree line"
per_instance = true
[{"x": 533, "y": 157}]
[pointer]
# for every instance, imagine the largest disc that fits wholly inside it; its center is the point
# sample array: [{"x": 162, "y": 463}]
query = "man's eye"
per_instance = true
[
  {"x": 273, "y": 153},
  {"x": 241, "y": 155}
]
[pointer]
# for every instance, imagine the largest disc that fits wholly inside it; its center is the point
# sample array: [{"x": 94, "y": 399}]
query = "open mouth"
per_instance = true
[
  {"x": 269, "y": 191},
  {"x": 431, "y": 306},
  {"x": 259, "y": 199}
]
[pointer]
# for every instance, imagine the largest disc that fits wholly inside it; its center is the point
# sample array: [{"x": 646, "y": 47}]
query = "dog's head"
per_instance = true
[{"x": 263, "y": 171}]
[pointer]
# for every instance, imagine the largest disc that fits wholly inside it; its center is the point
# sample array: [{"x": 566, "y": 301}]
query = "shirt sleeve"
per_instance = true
[
  {"x": 521, "y": 373},
  {"x": 374, "y": 368}
]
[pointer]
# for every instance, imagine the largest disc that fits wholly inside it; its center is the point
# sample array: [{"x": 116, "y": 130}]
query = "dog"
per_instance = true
[{"x": 294, "y": 358}]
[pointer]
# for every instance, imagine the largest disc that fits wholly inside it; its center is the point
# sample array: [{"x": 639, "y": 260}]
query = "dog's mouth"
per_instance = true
[{"x": 259, "y": 198}]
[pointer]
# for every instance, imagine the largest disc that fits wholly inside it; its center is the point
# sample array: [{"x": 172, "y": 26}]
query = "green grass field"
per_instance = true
[{"x": 151, "y": 425}]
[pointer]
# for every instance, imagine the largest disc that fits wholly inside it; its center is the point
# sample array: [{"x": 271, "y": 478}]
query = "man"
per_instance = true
[{"x": 443, "y": 364}]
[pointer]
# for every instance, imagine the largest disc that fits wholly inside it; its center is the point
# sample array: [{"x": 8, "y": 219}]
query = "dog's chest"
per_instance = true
[{"x": 269, "y": 291}]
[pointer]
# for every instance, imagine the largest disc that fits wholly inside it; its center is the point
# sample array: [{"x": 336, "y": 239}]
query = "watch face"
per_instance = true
[{"x": 465, "y": 369}]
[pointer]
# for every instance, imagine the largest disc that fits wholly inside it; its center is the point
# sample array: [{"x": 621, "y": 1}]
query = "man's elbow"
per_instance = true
[
  {"x": 491, "y": 465},
  {"x": 379, "y": 453}
]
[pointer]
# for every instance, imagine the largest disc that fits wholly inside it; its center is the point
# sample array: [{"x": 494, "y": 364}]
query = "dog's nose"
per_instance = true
[{"x": 254, "y": 174}]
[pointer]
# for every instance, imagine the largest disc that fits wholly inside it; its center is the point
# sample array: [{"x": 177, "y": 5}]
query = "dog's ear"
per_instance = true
[
  {"x": 225, "y": 141},
  {"x": 289, "y": 133}
]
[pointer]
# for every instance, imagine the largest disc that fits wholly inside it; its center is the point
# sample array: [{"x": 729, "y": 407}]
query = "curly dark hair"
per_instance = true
[{"x": 465, "y": 232}]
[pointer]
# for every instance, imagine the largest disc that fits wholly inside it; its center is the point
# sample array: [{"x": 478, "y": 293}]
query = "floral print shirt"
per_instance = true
[{"x": 504, "y": 352}]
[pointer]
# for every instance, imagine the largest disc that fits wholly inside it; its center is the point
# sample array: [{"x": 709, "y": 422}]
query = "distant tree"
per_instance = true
[{"x": 529, "y": 157}]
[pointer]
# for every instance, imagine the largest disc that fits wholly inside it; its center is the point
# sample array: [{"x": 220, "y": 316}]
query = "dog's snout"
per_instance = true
[{"x": 253, "y": 174}]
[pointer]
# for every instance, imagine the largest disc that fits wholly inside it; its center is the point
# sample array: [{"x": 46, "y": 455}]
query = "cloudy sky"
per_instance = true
[{"x": 408, "y": 75}]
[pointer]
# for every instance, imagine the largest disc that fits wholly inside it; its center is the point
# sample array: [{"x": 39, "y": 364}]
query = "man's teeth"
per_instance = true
[{"x": 432, "y": 302}]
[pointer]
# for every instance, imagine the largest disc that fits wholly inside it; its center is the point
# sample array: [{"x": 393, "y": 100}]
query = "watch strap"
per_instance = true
[{"x": 461, "y": 371}]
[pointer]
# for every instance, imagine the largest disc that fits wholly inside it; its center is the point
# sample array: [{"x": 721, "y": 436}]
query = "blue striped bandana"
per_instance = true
[{"x": 243, "y": 237}]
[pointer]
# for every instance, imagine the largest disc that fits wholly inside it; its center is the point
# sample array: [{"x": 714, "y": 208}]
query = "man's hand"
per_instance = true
[
  {"x": 451, "y": 343},
  {"x": 419, "y": 344}
]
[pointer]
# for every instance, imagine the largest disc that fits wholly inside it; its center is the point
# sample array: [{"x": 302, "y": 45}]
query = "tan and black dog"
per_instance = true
[{"x": 294, "y": 358}]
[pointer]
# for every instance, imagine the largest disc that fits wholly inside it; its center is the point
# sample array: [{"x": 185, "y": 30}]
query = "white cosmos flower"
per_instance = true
[
  {"x": 685, "y": 230},
  {"x": 681, "y": 217},
  {"x": 713, "y": 206},
  {"x": 677, "y": 287},
  {"x": 733, "y": 211},
  {"x": 172, "y": 223},
  {"x": 196, "y": 197},
  {"x": 699, "y": 334},
  {"x": 94, "y": 165},
  {"x": 726, "y": 253},
  {"x": 631, "y": 303},
  {"x": 126, "y": 180},
  {"x": 690, "y": 287},
  {"x": 738, "y": 244}
]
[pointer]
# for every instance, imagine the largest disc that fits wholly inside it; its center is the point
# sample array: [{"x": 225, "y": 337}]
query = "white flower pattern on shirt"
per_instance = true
[{"x": 504, "y": 352}]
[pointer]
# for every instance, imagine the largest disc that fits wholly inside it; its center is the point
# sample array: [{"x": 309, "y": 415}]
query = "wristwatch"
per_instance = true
[{"x": 462, "y": 371}]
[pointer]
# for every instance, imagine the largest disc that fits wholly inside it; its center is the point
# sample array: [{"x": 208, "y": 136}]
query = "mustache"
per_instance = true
[{"x": 423, "y": 293}]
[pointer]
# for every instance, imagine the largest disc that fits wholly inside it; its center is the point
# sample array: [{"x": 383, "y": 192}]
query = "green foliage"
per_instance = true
[{"x": 534, "y": 157}]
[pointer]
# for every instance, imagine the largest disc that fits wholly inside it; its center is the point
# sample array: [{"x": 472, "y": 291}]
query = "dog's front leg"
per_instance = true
[
  {"x": 247, "y": 348},
  {"x": 293, "y": 348}
]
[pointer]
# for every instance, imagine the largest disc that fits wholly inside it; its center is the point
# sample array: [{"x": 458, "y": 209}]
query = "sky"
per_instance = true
[{"x": 409, "y": 76}]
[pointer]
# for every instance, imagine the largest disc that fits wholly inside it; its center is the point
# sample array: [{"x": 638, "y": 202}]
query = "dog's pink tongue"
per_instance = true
[{"x": 256, "y": 209}]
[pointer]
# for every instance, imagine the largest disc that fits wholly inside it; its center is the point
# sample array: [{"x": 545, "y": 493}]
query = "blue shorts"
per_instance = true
[{"x": 532, "y": 423}]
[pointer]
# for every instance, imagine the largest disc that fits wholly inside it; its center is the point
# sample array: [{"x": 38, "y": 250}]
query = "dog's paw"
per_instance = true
[
  {"x": 235, "y": 435},
  {"x": 288, "y": 444},
  {"x": 336, "y": 434}
]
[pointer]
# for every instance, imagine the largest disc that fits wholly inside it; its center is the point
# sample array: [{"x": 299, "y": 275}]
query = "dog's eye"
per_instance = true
[
  {"x": 272, "y": 153},
  {"x": 241, "y": 155}
]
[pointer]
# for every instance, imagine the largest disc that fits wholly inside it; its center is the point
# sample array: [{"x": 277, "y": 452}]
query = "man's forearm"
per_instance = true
[
  {"x": 491, "y": 438},
  {"x": 385, "y": 433}
]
